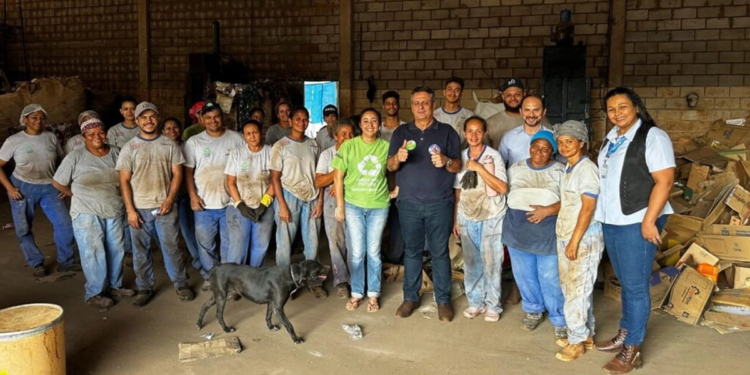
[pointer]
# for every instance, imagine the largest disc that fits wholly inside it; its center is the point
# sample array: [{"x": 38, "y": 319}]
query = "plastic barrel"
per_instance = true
[{"x": 32, "y": 340}]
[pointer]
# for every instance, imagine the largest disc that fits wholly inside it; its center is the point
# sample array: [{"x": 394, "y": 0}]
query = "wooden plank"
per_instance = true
[
  {"x": 144, "y": 35},
  {"x": 346, "y": 60},
  {"x": 616, "y": 43}
]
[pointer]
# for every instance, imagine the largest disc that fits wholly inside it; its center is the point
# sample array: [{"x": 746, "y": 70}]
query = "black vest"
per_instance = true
[{"x": 636, "y": 182}]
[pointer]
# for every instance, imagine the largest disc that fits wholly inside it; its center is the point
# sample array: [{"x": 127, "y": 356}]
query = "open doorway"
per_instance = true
[{"x": 318, "y": 95}]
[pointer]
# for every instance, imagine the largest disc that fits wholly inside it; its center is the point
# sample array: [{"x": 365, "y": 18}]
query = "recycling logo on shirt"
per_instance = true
[
  {"x": 207, "y": 151},
  {"x": 29, "y": 149},
  {"x": 369, "y": 166},
  {"x": 244, "y": 165}
]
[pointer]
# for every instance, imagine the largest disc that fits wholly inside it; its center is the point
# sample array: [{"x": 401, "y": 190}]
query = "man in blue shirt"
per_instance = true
[{"x": 426, "y": 155}]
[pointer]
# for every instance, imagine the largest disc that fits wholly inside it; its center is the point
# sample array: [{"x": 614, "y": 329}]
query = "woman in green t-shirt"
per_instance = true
[{"x": 360, "y": 167}]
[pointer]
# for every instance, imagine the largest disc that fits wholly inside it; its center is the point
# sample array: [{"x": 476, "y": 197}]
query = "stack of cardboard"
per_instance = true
[{"x": 710, "y": 230}]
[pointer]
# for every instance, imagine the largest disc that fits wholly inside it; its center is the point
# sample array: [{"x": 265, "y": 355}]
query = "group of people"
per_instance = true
[{"x": 537, "y": 193}]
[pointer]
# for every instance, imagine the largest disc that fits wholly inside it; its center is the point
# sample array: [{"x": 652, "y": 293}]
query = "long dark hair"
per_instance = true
[{"x": 634, "y": 98}]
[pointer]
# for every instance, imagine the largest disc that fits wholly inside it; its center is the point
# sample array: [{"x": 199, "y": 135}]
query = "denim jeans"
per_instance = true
[
  {"x": 208, "y": 225},
  {"x": 187, "y": 229},
  {"x": 365, "y": 228},
  {"x": 100, "y": 243},
  {"x": 166, "y": 230},
  {"x": 301, "y": 213},
  {"x": 127, "y": 244},
  {"x": 338, "y": 241},
  {"x": 577, "y": 278},
  {"x": 56, "y": 211},
  {"x": 632, "y": 257},
  {"x": 247, "y": 236},
  {"x": 538, "y": 280},
  {"x": 434, "y": 220},
  {"x": 395, "y": 254},
  {"x": 482, "y": 246}
]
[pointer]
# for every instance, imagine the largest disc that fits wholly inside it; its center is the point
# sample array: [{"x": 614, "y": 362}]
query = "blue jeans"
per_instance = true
[
  {"x": 434, "y": 220},
  {"x": 56, "y": 211},
  {"x": 577, "y": 278},
  {"x": 482, "y": 246},
  {"x": 365, "y": 228},
  {"x": 187, "y": 229},
  {"x": 632, "y": 257},
  {"x": 208, "y": 225},
  {"x": 246, "y": 236},
  {"x": 100, "y": 243},
  {"x": 301, "y": 213},
  {"x": 538, "y": 280},
  {"x": 338, "y": 241},
  {"x": 166, "y": 230},
  {"x": 127, "y": 243}
]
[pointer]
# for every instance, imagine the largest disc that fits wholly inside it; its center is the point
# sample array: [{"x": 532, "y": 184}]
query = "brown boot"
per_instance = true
[
  {"x": 406, "y": 309},
  {"x": 588, "y": 344},
  {"x": 514, "y": 297},
  {"x": 613, "y": 344},
  {"x": 445, "y": 312},
  {"x": 570, "y": 352},
  {"x": 625, "y": 361}
]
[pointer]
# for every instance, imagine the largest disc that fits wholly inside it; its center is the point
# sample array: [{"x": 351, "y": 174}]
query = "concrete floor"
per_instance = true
[{"x": 132, "y": 340}]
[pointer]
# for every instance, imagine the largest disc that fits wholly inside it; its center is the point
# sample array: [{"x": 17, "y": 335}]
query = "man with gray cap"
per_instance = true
[
  {"x": 36, "y": 152},
  {"x": 150, "y": 167},
  {"x": 580, "y": 239}
]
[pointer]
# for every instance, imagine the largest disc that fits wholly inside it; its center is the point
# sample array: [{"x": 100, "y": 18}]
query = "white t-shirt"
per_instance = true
[
  {"x": 386, "y": 133},
  {"x": 296, "y": 162},
  {"x": 74, "y": 143},
  {"x": 324, "y": 163},
  {"x": 94, "y": 181},
  {"x": 120, "y": 134},
  {"x": 252, "y": 173},
  {"x": 475, "y": 204},
  {"x": 324, "y": 139},
  {"x": 532, "y": 186},
  {"x": 454, "y": 119},
  {"x": 35, "y": 156},
  {"x": 579, "y": 179},
  {"x": 208, "y": 157},
  {"x": 151, "y": 162},
  {"x": 659, "y": 156}
]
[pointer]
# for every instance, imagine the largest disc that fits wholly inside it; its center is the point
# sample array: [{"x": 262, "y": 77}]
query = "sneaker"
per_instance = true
[
  {"x": 319, "y": 292},
  {"x": 531, "y": 321},
  {"x": 342, "y": 291},
  {"x": 570, "y": 352},
  {"x": 206, "y": 286},
  {"x": 491, "y": 316},
  {"x": 185, "y": 293},
  {"x": 73, "y": 267},
  {"x": 100, "y": 302},
  {"x": 561, "y": 332},
  {"x": 473, "y": 312},
  {"x": 40, "y": 271},
  {"x": 143, "y": 296},
  {"x": 121, "y": 292}
]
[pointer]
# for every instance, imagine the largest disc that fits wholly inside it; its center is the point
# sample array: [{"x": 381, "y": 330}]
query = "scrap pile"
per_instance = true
[{"x": 701, "y": 274}]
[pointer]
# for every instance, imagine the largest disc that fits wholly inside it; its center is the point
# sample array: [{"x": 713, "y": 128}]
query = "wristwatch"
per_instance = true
[{"x": 448, "y": 163}]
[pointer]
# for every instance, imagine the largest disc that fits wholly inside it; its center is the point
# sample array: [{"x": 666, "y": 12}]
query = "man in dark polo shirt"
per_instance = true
[{"x": 426, "y": 155}]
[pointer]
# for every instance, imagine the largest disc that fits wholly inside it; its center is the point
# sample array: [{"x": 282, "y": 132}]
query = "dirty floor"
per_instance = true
[{"x": 132, "y": 340}]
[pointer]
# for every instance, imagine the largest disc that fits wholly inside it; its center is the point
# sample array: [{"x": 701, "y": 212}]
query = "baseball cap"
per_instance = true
[
  {"x": 208, "y": 107},
  {"x": 330, "y": 110},
  {"x": 512, "y": 82},
  {"x": 195, "y": 109},
  {"x": 145, "y": 106}
]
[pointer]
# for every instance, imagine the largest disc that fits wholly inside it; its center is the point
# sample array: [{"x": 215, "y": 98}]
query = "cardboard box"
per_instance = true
[
  {"x": 682, "y": 227},
  {"x": 739, "y": 201},
  {"x": 695, "y": 255},
  {"x": 688, "y": 296},
  {"x": 729, "y": 230},
  {"x": 698, "y": 173},
  {"x": 738, "y": 275},
  {"x": 727, "y": 247},
  {"x": 659, "y": 284},
  {"x": 727, "y": 136}
]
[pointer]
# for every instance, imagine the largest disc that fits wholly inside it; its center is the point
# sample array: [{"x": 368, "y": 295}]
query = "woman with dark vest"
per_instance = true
[{"x": 636, "y": 171}]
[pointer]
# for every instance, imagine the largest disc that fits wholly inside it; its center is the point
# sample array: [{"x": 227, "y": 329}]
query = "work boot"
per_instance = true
[
  {"x": 588, "y": 344},
  {"x": 206, "y": 286},
  {"x": 613, "y": 344},
  {"x": 73, "y": 267},
  {"x": 445, "y": 312},
  {"x": 100, "y": 302},
  {"x": 40, "y": 271},
  {"x": 561, "y": 332},
  {"x": 625, "y": 361},
  {"x": 185, "y": 293},
  {"x": 570, "y": 352},
  {"x": 143, "y": 296},
  {"x": 531, "y": 321},
  {"x": 319, "y": 292},
  {"x": 406, "y": 309},
  {"x": 121, "y": 292}
]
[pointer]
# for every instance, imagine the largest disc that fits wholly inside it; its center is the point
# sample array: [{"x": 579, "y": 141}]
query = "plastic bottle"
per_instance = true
[
  {"x": 707, "y": 270},
  {"x": 489, "y": 165}
]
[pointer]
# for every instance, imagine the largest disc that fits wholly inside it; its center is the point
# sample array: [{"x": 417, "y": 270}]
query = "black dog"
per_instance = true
[{"x": 271, "y": 286}]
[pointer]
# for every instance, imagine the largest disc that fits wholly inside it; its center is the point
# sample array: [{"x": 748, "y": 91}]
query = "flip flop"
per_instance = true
[
  {"x": 373, "y": 306},
  {"x": 353, "y": 304}
]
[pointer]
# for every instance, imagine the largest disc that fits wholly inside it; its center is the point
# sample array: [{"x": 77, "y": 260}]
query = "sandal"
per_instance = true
[
  {"x": 353, "y": 304},
  {"x": 372, "y": 305}
]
